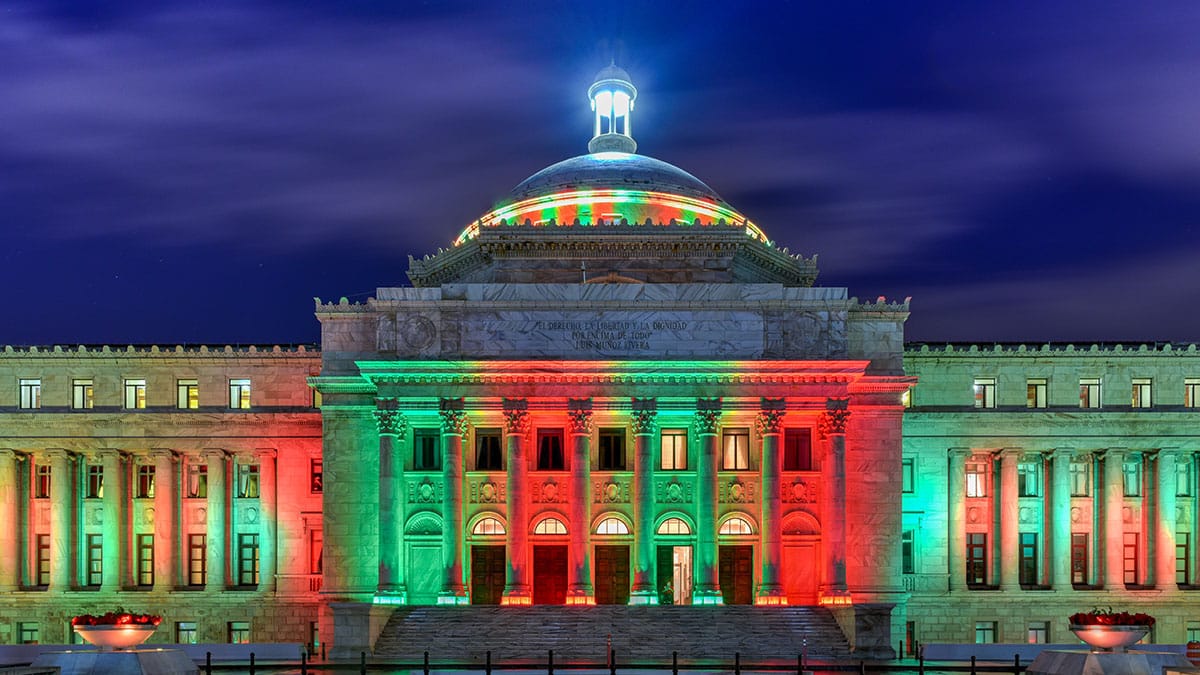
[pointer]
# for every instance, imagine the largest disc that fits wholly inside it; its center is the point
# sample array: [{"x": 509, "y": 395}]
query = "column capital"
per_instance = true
[
  {"x": 958, "y": 453},
  {"x": 644, "y": 422},
  {"x": 1063, "y": 453},
  {"x": 390, "y": 422},
  {"x": 707, "y": 421},
  {"x": 55, "y": 454},
  {"x": 1113, "y": 453},
  {"x": 579, "y": 415},
  {"x": 517, "y": 422},
  {"x": 263, "y": 453},
  {"x": 9, "y": 453},
  {"x": 214, "y": 455},
  {"x": 1011, "y": 453},
  {"x": 162, "y": 453},
  {"x": 833, "y": 420},
  {"x": 769, "y": 422},
  {"x": 1168, "y": 453},
  {"x": 454, "y": 422}
]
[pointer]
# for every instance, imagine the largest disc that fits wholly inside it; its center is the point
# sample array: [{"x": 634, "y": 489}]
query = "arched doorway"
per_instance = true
[
  {"x": 801, "y": 571},
  {"x": 423, "y": 549},
  {"x": 735, "y": 563},
  {"x": 550, "y": 560},
  {"x": 612, "y": 536},
  {"x": 488, "y": 562},
  {"x": 674, "y": 534}
]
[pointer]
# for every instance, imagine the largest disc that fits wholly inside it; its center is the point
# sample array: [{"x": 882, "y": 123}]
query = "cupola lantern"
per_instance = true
[{"x": 612, "y": 96}]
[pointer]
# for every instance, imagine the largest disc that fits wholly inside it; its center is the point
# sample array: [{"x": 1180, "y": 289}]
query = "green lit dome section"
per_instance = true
[{"x": 612, "y": 186}]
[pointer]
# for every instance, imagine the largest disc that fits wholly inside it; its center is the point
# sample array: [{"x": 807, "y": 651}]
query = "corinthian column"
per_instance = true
[
  {"x": 833, "y": 427},
  {"x": 10, "y": 524},
  {"x": 579, "y": 581},
  {"x": 770, "y": 428},
  {"x": 218, "y": 525},
  {"x": 1164, "y": 531},
  {"x": 1009, "y": 508},
  {"x": 166, "y": 568},
  {"x": 517, "y": 590},
  {"x": 644, "y": 591},
  {"x": 707, "y": 590},
  {"x": 268, "y": 519},
  {"x": 1060, "y": 519},
  {"x": 956, "y": 517},
  {"x": 113, "y": 523},
  {"x": 62, "y": 505},
  {"x": 454, "y": 427},
  {"x": 391, "y": 425},
  {"x": 1114, "y": 529}
]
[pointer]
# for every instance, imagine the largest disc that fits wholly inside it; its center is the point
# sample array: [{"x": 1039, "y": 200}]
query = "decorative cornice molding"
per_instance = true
[{"x": 1016, "y": 350}]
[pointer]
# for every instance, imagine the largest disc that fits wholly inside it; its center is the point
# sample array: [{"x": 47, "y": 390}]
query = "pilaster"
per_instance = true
[
  {"x": 1165, "y": 522},
  {"x": 1113, "y": 532},
  {"x": 10, "y": 522},
  {"x": 62, "y": 507},
  {"x": 166, "y": 534},
  {"x": 956, "y": 512},
  {"x": 217, "y": 462},
  {"x": 1059, "y": 539},
  {"x": 833, "y": 429},
  {"x": 1009, "y": 509}
]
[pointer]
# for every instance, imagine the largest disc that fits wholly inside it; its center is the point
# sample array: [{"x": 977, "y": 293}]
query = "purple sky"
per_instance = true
[{"x": 198, "y": 172}]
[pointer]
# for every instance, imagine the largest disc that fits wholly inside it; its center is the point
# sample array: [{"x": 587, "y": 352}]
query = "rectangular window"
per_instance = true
[
  {"x": 316, "y": 551},
  {"x": 28, "y": 633},
  {"x": 1028, "y": 563},
  {"x": 186, "y": 633},
  {"x": 427, "y": 455},
  {"x": 1028, "y": 479},
  {"x": 1183, "y": 477},
  {"x": 976, "y": 558},
  {"x": 1191, "y": 392},
  {"x": 907, "y": 476},
  {"x": 1081, "y": 478},
  {"x": 612, "y": 450},
  {"x": 42, "y": 566},
  {"x": 906, "y": 399},
  {"x": 976, "y": 479},
  {"x": 1131, "y": 472},
  {"x": 145, "y": 481},
  {"x": 797, "y": 450},
  {"x": 94, "y": 487},
  {"x": 1079, "y": 558},
  {"x": 488, "y": 453},
  {"x": 985, "y": 392},
  {"x": 31, "y": 394},
  {"x": 197, "y": 559},
  {"x": 674, "y": 450},
  {"x": 1036, "y": 393},
  {"x": 1193, "y": 631},
  {"x": 550, "y": 450},
  {"x": 1039, "y": 632},
  {"x": 1141, "y": 392},
  {"x": 247, "y": 485},
  {"x": 41, "y": 481},
  {"x": 82, "y": 395},
  {"x": 145, "y": 560},
  {"x": 239, "y": 632},
  {"x": 316, "y": 476},
  {"x": 187, "y": 394},
  {"x": 1089, "y": 392},
  {"x": 1129, "y": 558},
  {"x": 317, "y": 399},
  {"x": 197, "y": 479},
  {"x": 135, "y": 394},
  {"x": 239, "y": 394},
  {"x": 985, "y": 632},
  {"x": 247, "y": 559},
  {"x": 736, "y": 444},
  {"x": 908, "y": 562},
  {"x": 1183, "y": 555},
  {"x": 95, "y": 559}
]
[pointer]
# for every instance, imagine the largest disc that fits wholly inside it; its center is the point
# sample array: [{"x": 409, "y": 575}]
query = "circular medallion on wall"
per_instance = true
[
  {"x": 417, "y": 331},
  {"x": 973, "y": 514},
  {"x": 251, "y": 515},
  {"x": 1076, "y": 514}
]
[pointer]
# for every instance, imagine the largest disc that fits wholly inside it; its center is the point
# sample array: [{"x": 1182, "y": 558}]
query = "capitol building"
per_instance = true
[{"x": 613, "y": 389}]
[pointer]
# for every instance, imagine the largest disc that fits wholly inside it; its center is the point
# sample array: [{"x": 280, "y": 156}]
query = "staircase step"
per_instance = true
[{"x": 582, "y": 634}]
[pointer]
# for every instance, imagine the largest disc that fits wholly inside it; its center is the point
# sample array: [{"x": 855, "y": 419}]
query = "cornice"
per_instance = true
[{"x": 1020, "y": 349}]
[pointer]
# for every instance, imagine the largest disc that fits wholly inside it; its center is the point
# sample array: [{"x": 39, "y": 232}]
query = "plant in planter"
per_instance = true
[
  {"x": 1106, "y": 630},
  {"x": 118, "y": 629}
]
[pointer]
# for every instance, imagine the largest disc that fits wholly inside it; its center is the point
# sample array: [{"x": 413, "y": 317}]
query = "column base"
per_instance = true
[
  {"x": 834, "y": 597},
  {"x": 517, "y": 595},
  {"x": 707, "y": 596},
  {"x": 455, "y": 597},
  {"x": 390, "y": 597},
  {"x": 771, "y": 594},
  {"x": 643, "y": 597},
  {"x": 581, "y": 595}
]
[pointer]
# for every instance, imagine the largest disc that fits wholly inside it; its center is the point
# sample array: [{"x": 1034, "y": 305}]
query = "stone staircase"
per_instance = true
[{"x": 639, "y": 634}]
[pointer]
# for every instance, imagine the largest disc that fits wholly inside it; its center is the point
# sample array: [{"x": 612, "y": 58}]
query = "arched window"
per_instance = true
[
  {"x": 488, "y": 525},
  {"x": 674, "y": 526},
  {"x": 550, "y": 526},
  {"x": 612, "y": 526},
  {"x": 736, "y": 525}
]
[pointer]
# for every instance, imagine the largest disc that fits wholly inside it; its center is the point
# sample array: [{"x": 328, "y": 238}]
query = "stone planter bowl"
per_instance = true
[
  {"x": 1109, "y": 638},
  {"x": 116, "y": 637}
]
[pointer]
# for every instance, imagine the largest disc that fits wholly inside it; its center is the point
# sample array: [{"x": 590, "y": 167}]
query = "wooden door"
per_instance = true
[
  {"x": 736, "y": 574},
  {"x": 549, "y": 575},
  {"x": 487, "y": 574},
  {"x": 612, "y": 575}
]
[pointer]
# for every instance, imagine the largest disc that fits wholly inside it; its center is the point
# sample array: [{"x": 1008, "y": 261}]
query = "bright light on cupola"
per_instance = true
[{"x": 612, "y": 96}]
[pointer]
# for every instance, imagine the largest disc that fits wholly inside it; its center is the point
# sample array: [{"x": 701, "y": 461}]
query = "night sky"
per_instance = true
[{"x": 1026, "y": 171}]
